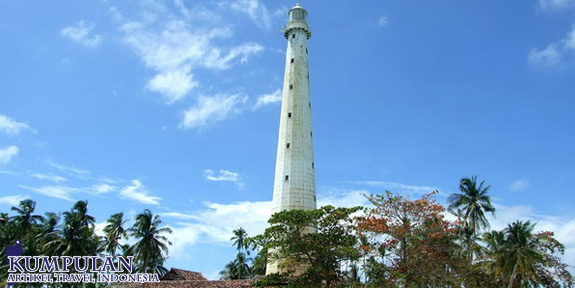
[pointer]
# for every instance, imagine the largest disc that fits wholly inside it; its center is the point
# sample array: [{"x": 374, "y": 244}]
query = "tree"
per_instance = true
[
  {"x": 76, "y": 237},
  {"x": 240, "y": 239},
  {"x": 409, "y": 242},
  {"x": 239, "y": 268},
  {"x": 81, "y": 210},
  {"x": 151, "y": 250},
  {"x": 519, "y": 258},
  {"x": 317, "y": 242},
  {"x": 24, "y": 220},
  {"x": 114, "y": 231},
  {"x": 470, "y": 206}
]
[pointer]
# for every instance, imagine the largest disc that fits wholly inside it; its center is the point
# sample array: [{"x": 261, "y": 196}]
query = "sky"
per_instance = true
[{"x": 173, "y": 106}]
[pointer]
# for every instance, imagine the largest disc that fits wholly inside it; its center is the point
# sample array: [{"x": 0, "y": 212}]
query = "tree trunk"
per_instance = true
[{"x": 512, "y": 278}]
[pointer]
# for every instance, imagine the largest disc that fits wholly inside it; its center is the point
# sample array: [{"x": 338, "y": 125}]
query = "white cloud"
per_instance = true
[
  {"x": 224, "y": 175},
  {"x": 6, "y": 154},
  {"x": 174, "y": 49},
  {"x": 13, "y": 200},
  {"x": 49, "y": 176},
  {"x": 11, "y": 127},
  {"x": 73, "y": 171},
  {"x": 216, "y": 222},
  {"x": 215, "y": 60},
  {"x": 267, "y": 99},
  {"x": 179, "y": 215},
  {"x": 569, "y": 41},
  {"x": 548, "y": 56},
  {"x": 254, "y": 9},
  {"x": 343, "y": 198},
  {"x": 556, "y": 5},
  {"x": 211, "y": 109},
  {"x": 397, "y": 187},
  {"x": 137, "y": 191},
  {"x": 519, "y": 185},
  {"x": 102, "y": 188},
  {"x": 182, "y": 7},
  {"x": 554, "y": 52},
  {"x": 174, "y": 84},
  {"x": 382, "y": 21},
  {"x": 80, "y": 33},
  {"x": 81, "y": 174},
  {"x": 60, "y": 192},
  {"x": 66, "y": 192}
]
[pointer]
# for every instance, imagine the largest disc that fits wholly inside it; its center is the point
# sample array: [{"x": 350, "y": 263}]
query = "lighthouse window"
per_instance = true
[
  {"x": 312, "y": 165},
  {"x": 309, "y": 103},
  {"x": 290, "y": 86},
  {"x": 287, "y": 145},
  {"x": 287, "y": 177},
  {"x": 305, "y": 50},
  {"x": 293, "y": 35},
  {"x": 311, "y": 134},
  {"x": 289, "y": 114},
  {"x": 291, "y": 60}
]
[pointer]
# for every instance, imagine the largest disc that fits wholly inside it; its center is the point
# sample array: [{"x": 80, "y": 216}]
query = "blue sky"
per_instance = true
[{"x": 174, "y": 106}]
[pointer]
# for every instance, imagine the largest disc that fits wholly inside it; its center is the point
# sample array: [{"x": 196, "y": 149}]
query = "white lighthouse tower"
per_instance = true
[{"x": 294, "y": 184}]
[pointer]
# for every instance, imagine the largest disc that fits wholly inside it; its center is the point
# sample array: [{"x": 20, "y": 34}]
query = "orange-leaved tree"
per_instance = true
[{"x": 409, "y": 243}]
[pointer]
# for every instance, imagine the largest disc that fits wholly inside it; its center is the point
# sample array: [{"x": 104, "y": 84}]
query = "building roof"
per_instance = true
[
  {"x": 180, "y": 278},
  {"x": 181, "y": 274},
  {"x": 191, "y": 284}
]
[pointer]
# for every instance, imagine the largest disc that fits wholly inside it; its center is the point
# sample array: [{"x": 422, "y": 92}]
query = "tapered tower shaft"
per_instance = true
[{"x": 294, "y": 184}]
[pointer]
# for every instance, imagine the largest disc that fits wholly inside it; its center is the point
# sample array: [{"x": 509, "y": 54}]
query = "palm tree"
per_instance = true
[
  {"x": 150, "y": 251},
  {"x": 76, "y": 237},
  {"x": 519, "y": 258},
  {"x": 25, "y": 220},
  {"x": 240, "y": 239},
  {"x": 47, "y": 228},
  {"x": 523, "y": 253},
  {"x": 81, "y": 208},
  {"x": 114, "y": 232},
  {"x": 471, "y": 205},
  {"x": 237, "y": 269}
]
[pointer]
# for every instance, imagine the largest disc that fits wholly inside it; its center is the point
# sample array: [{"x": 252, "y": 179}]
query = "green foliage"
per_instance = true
[
  {"x": 151, "y": 250},
  {"x": 470, "y": 207},
  {"x": 317, "y": 242},
  {"x": 517, "y": 257},
  {"x": 399, "y": 242},
  {"x": 73, "y": 234},
  {"x": 243, "y": 266}
]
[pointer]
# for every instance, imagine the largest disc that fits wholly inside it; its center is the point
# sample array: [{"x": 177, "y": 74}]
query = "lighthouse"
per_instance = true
[{"x": 294, "y": 182}]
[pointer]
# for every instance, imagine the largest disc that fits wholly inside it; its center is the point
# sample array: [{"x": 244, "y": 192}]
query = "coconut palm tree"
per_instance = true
[
  {"x": 24, "y": 220},
  {"x": 517, "y": 257},
  {"x": 76, "y": 236},
  {"x": 114, "y": 233},
  {"x": 240, "y": 239},
  {"x": 47, "y": 228},
  {"x": 523, "y": 253},
  {"x": 151, "y": 250},
  {"x": 470, "y": 206},
  {"x": 239, "y": 268},
  {"x": 81, "y": 209}
]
